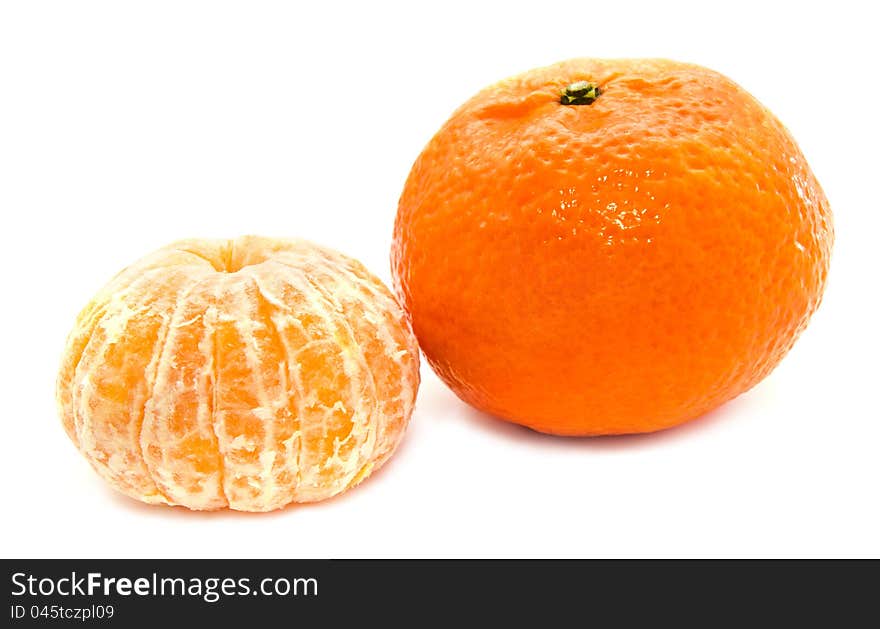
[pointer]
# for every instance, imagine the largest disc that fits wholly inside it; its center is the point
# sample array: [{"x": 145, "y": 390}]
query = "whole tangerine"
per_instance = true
[
  {"x": 247, "y": 373},
  {"x": 609, "y": 246}
]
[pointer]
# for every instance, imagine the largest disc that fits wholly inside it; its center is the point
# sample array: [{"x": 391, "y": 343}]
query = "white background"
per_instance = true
[{"x": 127, "y": 125}]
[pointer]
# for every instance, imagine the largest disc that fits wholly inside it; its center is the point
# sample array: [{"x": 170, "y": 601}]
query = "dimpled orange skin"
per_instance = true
[
  {"x": 618, "y": 267},
  {"x": 247, "y": 374}
]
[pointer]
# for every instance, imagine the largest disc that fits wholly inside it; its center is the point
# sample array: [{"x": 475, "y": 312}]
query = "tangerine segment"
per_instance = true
[
  {"x": 246, "y": 374},
  {"x": 609, "y": 246}
]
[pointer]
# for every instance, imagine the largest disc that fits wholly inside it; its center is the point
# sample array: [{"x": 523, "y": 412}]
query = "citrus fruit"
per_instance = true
[
  {"x": 247, "y": 373},
  {"x": 609, "y": 246}
]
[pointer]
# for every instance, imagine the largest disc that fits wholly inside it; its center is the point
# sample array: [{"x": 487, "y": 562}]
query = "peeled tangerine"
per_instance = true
[{"x": 247, "y": 374}]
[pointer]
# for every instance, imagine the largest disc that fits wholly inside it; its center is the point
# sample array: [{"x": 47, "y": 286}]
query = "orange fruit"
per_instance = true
[
  {"x": 247, "y": 373},
  {"x": 609, "y": 246}
]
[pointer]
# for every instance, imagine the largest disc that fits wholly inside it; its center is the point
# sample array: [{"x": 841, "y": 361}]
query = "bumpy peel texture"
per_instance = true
[
  {"x": 246, "y": 374},
  {"x": 617, "y": 267}
]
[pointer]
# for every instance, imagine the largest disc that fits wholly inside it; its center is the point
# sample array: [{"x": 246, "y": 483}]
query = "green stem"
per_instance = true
[{"x": 580, "y": 93}]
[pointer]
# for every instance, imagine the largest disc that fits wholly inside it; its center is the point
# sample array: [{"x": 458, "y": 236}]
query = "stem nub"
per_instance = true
[{"x": 580, "y": 93}]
